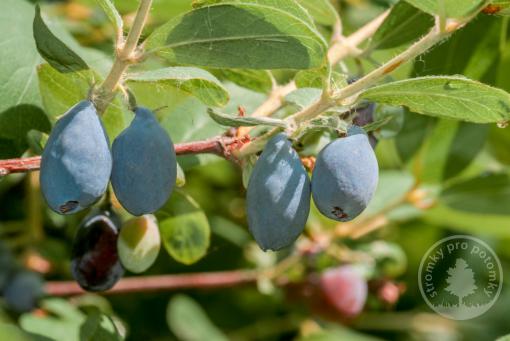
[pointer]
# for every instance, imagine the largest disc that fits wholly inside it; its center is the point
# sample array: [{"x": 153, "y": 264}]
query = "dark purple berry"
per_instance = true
[{"x": 95, "y": 262}]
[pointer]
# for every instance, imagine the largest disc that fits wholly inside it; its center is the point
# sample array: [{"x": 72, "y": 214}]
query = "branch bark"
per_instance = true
[
  {"x": 220, "y": 145},
  {"x": 207, "y": 280}
]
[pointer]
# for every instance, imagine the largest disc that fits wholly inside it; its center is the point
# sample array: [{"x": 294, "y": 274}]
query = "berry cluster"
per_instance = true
[
  {"x": 344, "y": 180},
  {"x": 77, "y": 165}
]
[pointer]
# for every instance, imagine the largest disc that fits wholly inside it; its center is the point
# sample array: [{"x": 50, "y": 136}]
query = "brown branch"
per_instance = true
[
  {"x": 208, "y": 280},
  {"x": 221, "y": 146},
  {"x": 19, "y": 165}
]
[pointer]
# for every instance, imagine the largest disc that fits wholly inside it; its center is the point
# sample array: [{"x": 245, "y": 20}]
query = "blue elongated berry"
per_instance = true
[
  {"x": 345, "y": 176},
  {"x": 278, "y": 198},
  {"x": 144, "y": 165},
  {"x": 76, "y": 163}
]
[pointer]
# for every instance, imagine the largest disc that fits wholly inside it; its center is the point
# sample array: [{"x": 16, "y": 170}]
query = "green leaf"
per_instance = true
[
  {"x": 60, "y": 307},
  {"x": 412, "y": 134},
  {"x": 404, "y": 24},
  {"x": 181, "y": 176},
  {"x": 67, "y": 322},
  {"x": 392, "y": 188},
  {"x": 468, "y": 142},
  {"x": 435, "y": 151},
  {"x": 244, "y": 121},
  {"x": 449, "y": 149},
  {"x": 284, "y": 5},
  {"x": 59, "y": 327},
  {"x": 452, "y": 8},
  {"x": 445, "y": 96},
  {"x": 469, "y": 52},
  {"x": 303, "y": 97},
  {"x": 503, "y": 67},
  {"x": 322, "y": 11},
  {"x": 112, "y": 14},
  {"x": 184, "y": 229},
  {"x": 256, "y": 80},
  {"x": 188, "y": 121},
  {"x": 15, "y": 123},
  {"x": 486, "y": 194},
  {"x": 98, "y": 326},
  {"x": 201, "y": 3},
  {"x": 499, "y": 140},
  {"x": 53, "y": 50},
  {"x": 254, "y": 34},
  {"x": 230, "y": 231},
  {"x": 18, "y": 55},
  {"x": 315, "y": 78},
  {"x": 61, "y": 91},
  {"x": 12, "y": 333},
  {"x": 247, "y": 168},
  {"x": 189, "y": 322},
  {"x": 324, "y": 122},
  {"x": 378, "y": 124},
  {"x": 395, "y": 117},
  {"x": 337, "y": 332},
  {"x": 475, "y": 223},
  {"x": 36, "y": 141},
  {"x": 196, "y": 82}
]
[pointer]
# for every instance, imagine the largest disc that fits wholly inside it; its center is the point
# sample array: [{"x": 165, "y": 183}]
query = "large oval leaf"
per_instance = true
[
  {"x": 18, "y": 55},
  {"x": 112, "y": 13},
  {"x": 486, "y": 194},
  {"x": 196, "y": 82},
  {"x": 53, "y": 49},
  {"x": 184, "y": 229},
  {"x": 15, "y": 123},
  {"x": 261, "y": 34},
  {"x": 189, "y": 321},
  {"x": 322, "y": 11},
  {"x": 450, "y": 96},
  {"x": 404, "y": 24},
  {"x": 451, "y": 8}
]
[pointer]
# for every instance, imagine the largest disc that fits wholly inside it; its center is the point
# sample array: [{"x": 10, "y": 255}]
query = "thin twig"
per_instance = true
[
  {"x": 344, "y": 46},
  {"x": 126, "y": 55},
  {"x": 207, "y": 280}
]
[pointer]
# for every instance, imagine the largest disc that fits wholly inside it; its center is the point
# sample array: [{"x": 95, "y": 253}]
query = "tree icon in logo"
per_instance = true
[{"x": 461, "y": 280}]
